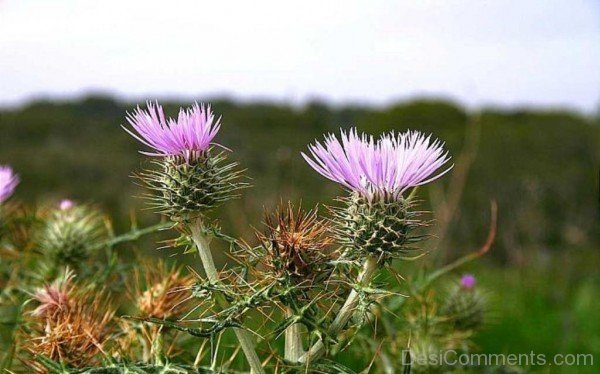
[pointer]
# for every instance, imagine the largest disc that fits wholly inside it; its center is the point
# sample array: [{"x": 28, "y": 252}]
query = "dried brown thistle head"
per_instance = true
[
  {"x": 69, "y": 326},
  {"x": 161, "y": 291},
  {"x": 295, "y": 243},
  {"x": 158, "y": 291}
]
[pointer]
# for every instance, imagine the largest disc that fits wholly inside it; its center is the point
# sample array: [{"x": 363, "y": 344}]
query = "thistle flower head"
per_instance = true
[
  {"x": 294, "y": 243},
  {"x": 54, "y": 297},
  {"x": 68, "y": 236},
  {"x": 190, "y": 178},
  {"x": 467, "y": 281},
  {"x": 385, "y": 168},
  {"x": 70, "y": 326},
  {"x": 188, "y": 136},
  {"x": 161, "y": 292},
  {"x": 422, "y": 349},
  {"x": 8, "y": 182},
  {"x": 464, "y": 305}
]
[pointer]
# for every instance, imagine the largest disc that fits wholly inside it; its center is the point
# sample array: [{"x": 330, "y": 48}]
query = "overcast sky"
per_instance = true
[{"x": 544, "y": 53}]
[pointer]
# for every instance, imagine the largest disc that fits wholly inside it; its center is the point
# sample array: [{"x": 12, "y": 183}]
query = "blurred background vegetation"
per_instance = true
[{"x": 541, "y": 167}]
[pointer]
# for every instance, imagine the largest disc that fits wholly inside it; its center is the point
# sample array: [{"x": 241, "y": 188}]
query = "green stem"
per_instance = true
[
  {"x": 132, "y": 235},
  {"x": 203, "y": 244},
  {"x": 347, "y": 310},
  {"x": 293, "y": 340},
  {"x": 157, "y": 347}
]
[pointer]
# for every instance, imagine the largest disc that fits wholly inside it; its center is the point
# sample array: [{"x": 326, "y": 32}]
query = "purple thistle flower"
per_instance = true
[
  {"x": 188, "y": 136},
  {"x": 66, "y": 204},
  {"x": 386, "y": 167},
  {"x": 467, "y": 281},
  {"x": 8, "y": 182}
]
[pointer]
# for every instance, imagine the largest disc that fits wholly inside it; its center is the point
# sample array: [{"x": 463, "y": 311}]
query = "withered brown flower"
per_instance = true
[
  {"x": 295, "y": 243},
  {"x": 70, "y": 326},
  {"x": 158, "y": 291},
  {"x": 161, "y": 291}
]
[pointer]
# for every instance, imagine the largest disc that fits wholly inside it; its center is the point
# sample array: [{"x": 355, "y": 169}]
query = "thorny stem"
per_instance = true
[
  {"x": 202, "y": 243},
  {"x": 157, "y": 347},
  {"x": 132, "y": 235},
  {"x": 343, "y": 316},
  {"x": 293, "y": 340}
]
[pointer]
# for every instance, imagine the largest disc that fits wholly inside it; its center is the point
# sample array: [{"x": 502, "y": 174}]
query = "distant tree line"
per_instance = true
[{"x": 540, "y": 166}]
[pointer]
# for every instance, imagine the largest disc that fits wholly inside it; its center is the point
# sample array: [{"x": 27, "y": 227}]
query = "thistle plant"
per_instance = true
[
  {"x": 191, "y": 180},
  {"x": 294, "y": 256},
  {"x": 307, "y": 286},
  {"x": 437, "y": 322},
  {"x": 8, "y": 182},
  {"x": 159, "y": 291},
  {"x": 377, "y": 222},
  {"x": 51, "y": 322}
]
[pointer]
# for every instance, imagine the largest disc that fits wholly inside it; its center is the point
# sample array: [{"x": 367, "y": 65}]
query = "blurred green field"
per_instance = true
[{"x": 542, "y": 274}]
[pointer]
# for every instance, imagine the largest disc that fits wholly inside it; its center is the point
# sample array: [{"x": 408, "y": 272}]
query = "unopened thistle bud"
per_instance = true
[
  {"x": 294, "y": 244},
  {"x": 8, "y": 182},
  {"x": 424, "y": 356},
  {"x": 465, "y": 306},
  {"x": 69, "y": 235},
  {"x": 190, "y": 177},
  {"x": 377, "y": 218}
]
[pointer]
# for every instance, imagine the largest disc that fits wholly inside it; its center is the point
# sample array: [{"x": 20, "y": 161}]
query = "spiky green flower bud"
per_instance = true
[
  {"x": 185, "y": 189},
  {"x": 464, "y": 308},
  {"x": 424, "y": 356},
  {"x": 384, "y": 227},
  {"x": 68, "y": 236}
]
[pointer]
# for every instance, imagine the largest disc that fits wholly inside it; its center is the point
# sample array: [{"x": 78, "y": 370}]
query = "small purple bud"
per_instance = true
[
  {"x": 66, "y": 204},
  {"x": 467, "y": 281}
]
